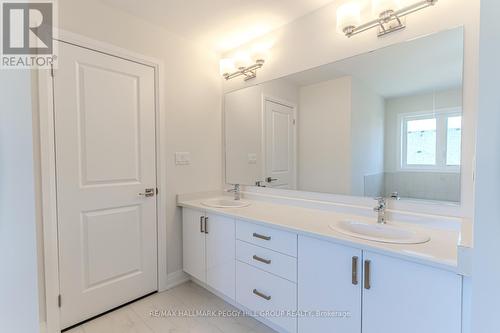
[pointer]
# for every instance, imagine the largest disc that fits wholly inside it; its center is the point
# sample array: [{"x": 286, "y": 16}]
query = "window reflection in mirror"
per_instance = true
[{"x": 385, "y": 122}]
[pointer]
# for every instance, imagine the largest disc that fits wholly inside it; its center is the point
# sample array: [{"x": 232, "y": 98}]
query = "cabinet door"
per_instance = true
[
  {"x": 193, "y": 243},
  {"x": 409, "y": 297},
  {"x": 220, "y": 238},
  {"x": 326, "y": 283}
]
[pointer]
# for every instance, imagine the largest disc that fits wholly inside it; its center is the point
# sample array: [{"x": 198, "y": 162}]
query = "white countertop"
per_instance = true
[{"x": 440, "y": 252}]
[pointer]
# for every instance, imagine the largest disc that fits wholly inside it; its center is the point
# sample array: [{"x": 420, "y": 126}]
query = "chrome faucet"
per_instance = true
[
  {"x": 380, "y": 209},
  {"x": 236, "y": 191}
]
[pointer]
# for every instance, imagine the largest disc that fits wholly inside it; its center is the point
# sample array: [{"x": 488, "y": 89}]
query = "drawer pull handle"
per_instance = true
[
  {"x": 201, "y": 224},
  {"x": 256, "y": 235},
  {"x": 367, "y": 274},
  {"x": 206, "y": 227},
  {"x": 355, "y": 271},
  {"x": 258, "y": 293},
  {"x": 265, "y": 261}
]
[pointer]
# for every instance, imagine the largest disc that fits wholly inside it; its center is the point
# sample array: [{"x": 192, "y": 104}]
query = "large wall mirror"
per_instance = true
[{"x": 385, "y": 123}]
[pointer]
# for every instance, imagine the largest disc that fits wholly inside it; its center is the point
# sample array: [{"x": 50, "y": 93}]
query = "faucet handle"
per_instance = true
[{"x": 236, "y": 187}]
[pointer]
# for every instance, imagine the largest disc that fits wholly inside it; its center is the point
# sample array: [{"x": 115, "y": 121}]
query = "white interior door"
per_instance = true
[
  {"x": 105, "y": 148},
  {"x": 279, "y": 145}
]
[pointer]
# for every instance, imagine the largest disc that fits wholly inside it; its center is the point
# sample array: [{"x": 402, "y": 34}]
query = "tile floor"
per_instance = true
[{"x": 139, "y": 317}]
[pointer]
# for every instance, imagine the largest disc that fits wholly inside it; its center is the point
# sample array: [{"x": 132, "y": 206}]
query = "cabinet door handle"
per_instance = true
[
  {"x": 265, "y": 261},
  {"x": 367, "y": 274},
  {"x": 355, "y": 270},
  {"x": 256, "y": 235},
  {"x": 201, "y": 224},
  {"x": 264, "y": 296},
  {"x": 206, "y": 228}
]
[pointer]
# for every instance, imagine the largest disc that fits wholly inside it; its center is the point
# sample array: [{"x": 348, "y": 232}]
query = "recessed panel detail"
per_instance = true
[
  {"x": 111, "y": 241},
  {"x": 109, "y": 116}
]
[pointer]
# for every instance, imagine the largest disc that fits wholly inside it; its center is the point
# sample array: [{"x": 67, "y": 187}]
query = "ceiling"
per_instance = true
[
  {"x": 219, "y": 24},
  {"x": 430, "y": 63}
]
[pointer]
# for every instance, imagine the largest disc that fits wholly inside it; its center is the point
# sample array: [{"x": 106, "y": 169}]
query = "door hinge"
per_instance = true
[
  {"x": 294, "y": 121},
  {"x": 52, "y": 71},
  {"x": 59, "y": 300},
  {"x": 157, "y": 191}
]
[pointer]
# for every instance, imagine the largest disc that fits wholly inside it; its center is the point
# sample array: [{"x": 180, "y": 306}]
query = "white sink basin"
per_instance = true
[
  {"x": 225, "y": 203},
  {"x": 384, "y": 233}
]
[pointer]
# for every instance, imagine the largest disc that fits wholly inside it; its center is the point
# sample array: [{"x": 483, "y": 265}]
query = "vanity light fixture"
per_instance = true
[
  {"x": 389, "y": 16},
  {"x": 243, "y": 65}
]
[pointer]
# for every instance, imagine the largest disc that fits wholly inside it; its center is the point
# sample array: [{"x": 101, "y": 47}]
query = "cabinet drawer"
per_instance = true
[
  {"x": 268, "y": 260},
  {"x": 260, "y": 291},
  {"x": 277, "y": 240}
]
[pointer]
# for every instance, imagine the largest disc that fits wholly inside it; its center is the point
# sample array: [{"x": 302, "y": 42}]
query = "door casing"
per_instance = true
[{"x": 47, "y": 196}]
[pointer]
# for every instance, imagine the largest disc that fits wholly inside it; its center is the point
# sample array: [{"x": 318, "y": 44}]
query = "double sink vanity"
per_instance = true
[
  {"x": 379, "y": 232},
  {"x": 303, "y": 250},
  {"x": 302, "y": 269}
]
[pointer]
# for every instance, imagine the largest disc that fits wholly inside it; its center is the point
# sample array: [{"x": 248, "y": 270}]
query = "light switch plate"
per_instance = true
[
  {"x": 252, "y": 158},
  {"x": 182, "y": 158}
]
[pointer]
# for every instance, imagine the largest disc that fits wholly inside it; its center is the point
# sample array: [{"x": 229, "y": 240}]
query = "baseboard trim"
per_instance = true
[
  {"x": 43, "y": 327},
  {"x": 176, "y": 278}
]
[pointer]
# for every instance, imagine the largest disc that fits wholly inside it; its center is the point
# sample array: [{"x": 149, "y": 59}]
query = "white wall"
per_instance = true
[
  {"x": 281, "y": 89},
  {"x": 192, "y": 91},
  {"x": 324, "y": 137},
  {"x": 341, "y": 136},
  {"x": 367, "y": 138},
  {"x": 19, "y": 291},
  {"x": 243, "y": 135},
  {"x": 486, "y": 265},
  {"x": 312, "y": 41}
]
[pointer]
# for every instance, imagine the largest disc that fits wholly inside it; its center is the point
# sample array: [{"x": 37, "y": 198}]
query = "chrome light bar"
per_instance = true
[
  {"x": 249, "y": 72},
  {"x": 389, "y": 20}
]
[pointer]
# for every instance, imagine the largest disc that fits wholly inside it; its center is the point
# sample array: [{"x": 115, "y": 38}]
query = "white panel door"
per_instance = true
[
  {"x": 105, "y": 148},
  {"x": 409, "y": 297},
  {"x": 193, "y": 243},
  {"x": 220, "y": 253},
  {"x": 279, "y": 145},
  {"x": 329, "y": 279}
]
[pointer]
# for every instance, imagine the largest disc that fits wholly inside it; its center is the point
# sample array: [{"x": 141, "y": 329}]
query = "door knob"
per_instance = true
[
  {"x": 269, "y": 179},
  {"x": 149, "y": 192}
]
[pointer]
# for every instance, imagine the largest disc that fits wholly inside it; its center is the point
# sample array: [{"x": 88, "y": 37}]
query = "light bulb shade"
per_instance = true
[
  {"x": 227, "y": 66},
  {"x": 260, "y": 52},
  {"x": 382, "y": 6},
  {"x": 348, "y": 15},
  {"x": 242, "y": 60}
]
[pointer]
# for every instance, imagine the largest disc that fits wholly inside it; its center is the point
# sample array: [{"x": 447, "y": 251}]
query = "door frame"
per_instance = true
[
  {"x": 43, "y": 87},
  {"x": 293, "y": 106}
]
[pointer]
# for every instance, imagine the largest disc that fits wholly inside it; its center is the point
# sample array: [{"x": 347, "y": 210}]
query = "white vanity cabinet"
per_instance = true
[
  {"x": 409, "y": 297},
  {"x": 335, "y": 288},
  {"x": 329, "y": 280},
  {"x": 209, "y": 249},
  {"x": 266, "y": 273},
  {"x": 391, "y": 295},
  {"x": 193, "y": 244}
]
